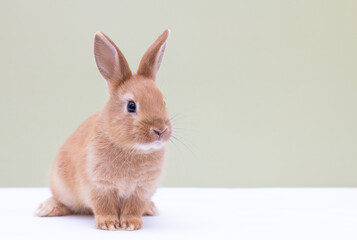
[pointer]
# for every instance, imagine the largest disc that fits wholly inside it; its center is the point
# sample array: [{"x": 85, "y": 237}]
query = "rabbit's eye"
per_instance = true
[{"x": 131, "y": 106}]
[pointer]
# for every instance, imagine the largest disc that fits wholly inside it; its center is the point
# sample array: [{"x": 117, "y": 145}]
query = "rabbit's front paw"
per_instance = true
[
  {"x": 130, "y": 223},
  {"x": 107, "y": 223}
]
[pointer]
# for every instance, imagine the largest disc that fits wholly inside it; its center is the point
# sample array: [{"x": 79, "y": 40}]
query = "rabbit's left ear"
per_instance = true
[{"x": 151, "y": 61}]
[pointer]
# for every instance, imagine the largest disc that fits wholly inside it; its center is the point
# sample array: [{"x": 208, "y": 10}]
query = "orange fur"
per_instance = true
[{"x": 111, "y": 165}]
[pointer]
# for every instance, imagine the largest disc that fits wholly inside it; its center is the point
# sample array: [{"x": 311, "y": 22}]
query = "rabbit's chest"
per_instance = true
[
  {"x": 126, "y": 173},
  {"x": 135, "y": 174}
]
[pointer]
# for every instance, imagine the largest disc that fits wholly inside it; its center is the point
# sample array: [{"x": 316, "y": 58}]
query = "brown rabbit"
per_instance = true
[{"x": 111, "y": 165}]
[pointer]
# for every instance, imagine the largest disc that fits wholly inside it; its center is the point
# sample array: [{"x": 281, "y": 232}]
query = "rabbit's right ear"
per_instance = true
[
  {"x": 110, "y": 61},
  {"x": 151, "y": 61}
]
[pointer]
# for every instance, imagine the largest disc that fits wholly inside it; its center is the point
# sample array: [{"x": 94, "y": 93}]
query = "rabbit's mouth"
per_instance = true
[{"x": 156, "y": 145}]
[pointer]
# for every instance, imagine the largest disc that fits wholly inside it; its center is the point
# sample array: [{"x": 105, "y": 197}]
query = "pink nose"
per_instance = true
[{"x": 158, "y": 132}]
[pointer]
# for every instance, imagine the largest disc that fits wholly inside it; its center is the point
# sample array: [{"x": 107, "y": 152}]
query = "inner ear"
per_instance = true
[{"x": 160, "y": 56}]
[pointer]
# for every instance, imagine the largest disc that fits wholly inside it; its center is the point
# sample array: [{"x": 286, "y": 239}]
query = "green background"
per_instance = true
[{"x": 265, "y": 91}]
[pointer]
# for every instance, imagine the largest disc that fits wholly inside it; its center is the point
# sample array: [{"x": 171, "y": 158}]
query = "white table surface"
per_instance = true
[{"x": 200, "y": 213}]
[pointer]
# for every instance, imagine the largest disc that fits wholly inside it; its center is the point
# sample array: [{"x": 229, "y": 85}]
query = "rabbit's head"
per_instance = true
[{"x": 135, "y": 115}]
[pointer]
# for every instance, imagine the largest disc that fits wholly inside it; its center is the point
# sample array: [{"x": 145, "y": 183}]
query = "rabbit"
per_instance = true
[{"x": 111, "y": 165}]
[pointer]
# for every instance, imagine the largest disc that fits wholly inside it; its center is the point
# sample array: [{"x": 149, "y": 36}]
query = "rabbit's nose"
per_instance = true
[{"x": 158, "y": 132}]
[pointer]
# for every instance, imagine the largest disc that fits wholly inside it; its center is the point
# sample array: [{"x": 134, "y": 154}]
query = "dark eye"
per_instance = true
[{"x": 131, "y": 106}]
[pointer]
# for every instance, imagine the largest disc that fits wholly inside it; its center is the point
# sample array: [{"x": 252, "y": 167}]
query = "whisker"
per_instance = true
[
  {"x": 187, "y": 140},
  {"x": 186, "y": 113},
  {"x": 182, "y": 129},
  {"x": 178, "y": 149},
  {"x": 173, "y": 143},
  {"x": 176, "y": 116},
  {"x": 177, "y": 139}
]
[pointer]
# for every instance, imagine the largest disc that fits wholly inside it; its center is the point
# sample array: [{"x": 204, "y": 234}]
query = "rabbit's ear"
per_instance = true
[
  {"x": 110, "y": 61},
  {"x": 151, "y": 61}
]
